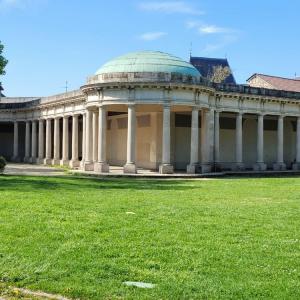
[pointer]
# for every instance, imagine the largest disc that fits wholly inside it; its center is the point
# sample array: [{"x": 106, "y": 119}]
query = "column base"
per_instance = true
[
  {"x": 16, "y": 159},
  {"x": 205, "y": 168},
  {"x": 166, "y": 169},
  {"x": 40, "y": 161},
  {"x": 129, "y": 169},
  {"x": 64, "y": 162},
  {"x": 32, "y": 160},
  {"x": 26, "y": 159},
  {"x": 74, "y": 164},
  {"x": 192, "y": 168},
  {"x": 56, "y": 162},
  {"x": 296, "y": 166},
  {"x": 48, "y": 161},
  {"x": 260, "y": 167},
  {"x": 88, "y": 166},
  {"x": 101, "y": 167},
  {"x": 82, "y": 164},
  {"x": 279, "y": 167},
  {"x": 237, "y": 167}
]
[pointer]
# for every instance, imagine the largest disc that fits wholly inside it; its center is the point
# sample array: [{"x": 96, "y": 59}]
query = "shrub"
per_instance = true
[{"x": 2, "y": 164}]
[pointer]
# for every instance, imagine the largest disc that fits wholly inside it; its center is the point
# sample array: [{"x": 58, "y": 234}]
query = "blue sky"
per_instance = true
[{"x": 50, "y": 41}]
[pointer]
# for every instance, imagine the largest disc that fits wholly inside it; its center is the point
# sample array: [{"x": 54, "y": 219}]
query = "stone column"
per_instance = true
[
  {"x": 95, "y": 136},
  {"x": 296, "y": 165},
  {"x": 48, "y": 159},
  {"x": 83, "y": 141},
  {"x": 206, "y": 142},
  {"x": 279, "y": 165},
  {"x": 194, "y": 155},
  {"x": 27, "y": 142},
  {"x": 16, "y": 157},
  {"x": 130, "y": 166},
  {"x": 41, "y": 142},
  {"x": 88, "y": 163},
  {"x": 102, "y": 166},
  {"x": 74, "y": 163},
  {"x": 166, "y": 167},
  {"x": 239, "y": 165},
  {"x": 33, "y": 158},
  {"x": 217, "y": 139},
  {"x": 260, "y": 165},
  {"x": 56, "y": 140},
  {"x": 65, "y": 142}
]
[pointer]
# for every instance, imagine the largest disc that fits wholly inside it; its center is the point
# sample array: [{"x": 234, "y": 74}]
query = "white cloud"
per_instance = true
[
  {"x": 11, "y": 3},
  {"x": 170, "y": 7},
  {"x": 17, "y": 4},
  {"x": 222, "y": 43},
  {"x": 152, "y": 36},
  {"x": 211, "y": 29},
  {"x": 192, "y": 24},
  {"x": 208, "y": 29}
]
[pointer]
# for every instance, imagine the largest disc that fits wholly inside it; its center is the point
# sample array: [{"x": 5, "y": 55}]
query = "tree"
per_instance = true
[
  {"x": 3, "y": 61},
  {"x": 219, "y": 74}
]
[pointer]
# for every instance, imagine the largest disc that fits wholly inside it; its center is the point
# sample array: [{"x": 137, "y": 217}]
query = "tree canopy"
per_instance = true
[
  {"x": 3, "y": 60},
  {"x": 220, "y": 73}
]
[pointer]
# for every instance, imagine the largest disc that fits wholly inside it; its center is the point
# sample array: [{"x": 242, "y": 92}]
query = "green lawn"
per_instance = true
[{"x": 205, "y": 239}]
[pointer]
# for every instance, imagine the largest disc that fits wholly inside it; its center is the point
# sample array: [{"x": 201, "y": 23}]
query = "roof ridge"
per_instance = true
[
  {"x": 273, "y": 76},
  {"x": 210, "y": 58}
]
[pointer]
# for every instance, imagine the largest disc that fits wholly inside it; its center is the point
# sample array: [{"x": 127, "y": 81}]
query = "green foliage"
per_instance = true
[
  {"x": 3, "y": 60},
  {"x": 2, "y": 164},
  {"x": 194, "y": 239}
]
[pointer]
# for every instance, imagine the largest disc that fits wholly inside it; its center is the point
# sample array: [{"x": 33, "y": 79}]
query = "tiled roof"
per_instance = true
[
  {"x": 205, "y": 66},
  {"x": 279, "y": 83}
]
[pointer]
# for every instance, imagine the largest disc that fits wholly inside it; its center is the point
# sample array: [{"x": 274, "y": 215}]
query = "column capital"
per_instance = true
[
  {"x": 196, "y": 107},
  {"x": 166, "y": 105},
  {"x": 130, "y": 104}
]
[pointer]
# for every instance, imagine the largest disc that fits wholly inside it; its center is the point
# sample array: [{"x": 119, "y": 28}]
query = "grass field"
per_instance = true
[{"x": 205, "y": 239}]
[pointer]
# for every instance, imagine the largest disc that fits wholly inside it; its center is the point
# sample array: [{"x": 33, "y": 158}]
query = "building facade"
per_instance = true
[{"x": 155, "y": 111}]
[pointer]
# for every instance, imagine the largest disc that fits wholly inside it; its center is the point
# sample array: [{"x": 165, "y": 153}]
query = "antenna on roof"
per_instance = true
[
  {"x": 191, "y": 49},
  {"x": 66, "y": 86},
  {"x": 295, "y": 74}
]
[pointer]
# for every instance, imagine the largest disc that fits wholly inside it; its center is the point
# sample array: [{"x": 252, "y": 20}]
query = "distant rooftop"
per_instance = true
[
  {"x": 275, "y": 82},
  {"x": 205, "y": 66}
]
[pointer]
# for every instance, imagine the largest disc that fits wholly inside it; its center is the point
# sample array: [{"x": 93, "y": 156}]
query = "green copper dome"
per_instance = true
[{"x": 149, "y": 62}]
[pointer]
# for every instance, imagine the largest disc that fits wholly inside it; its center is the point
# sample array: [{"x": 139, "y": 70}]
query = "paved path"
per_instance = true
[
  {"x": 36, "y": 170},
  {"x": 40, "y": 170}
]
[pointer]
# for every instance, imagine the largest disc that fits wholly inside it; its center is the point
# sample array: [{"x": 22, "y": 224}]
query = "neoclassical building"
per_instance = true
[{"x": 155, "y": 111}]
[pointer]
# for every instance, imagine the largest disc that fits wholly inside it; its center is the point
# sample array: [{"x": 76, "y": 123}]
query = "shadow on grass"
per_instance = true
[{"x": 30, "y": 184}]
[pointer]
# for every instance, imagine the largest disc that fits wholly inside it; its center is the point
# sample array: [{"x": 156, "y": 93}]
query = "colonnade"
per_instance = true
[
  {"x": 260, "y": 164},
  {"x": 41, "y": 146}
]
